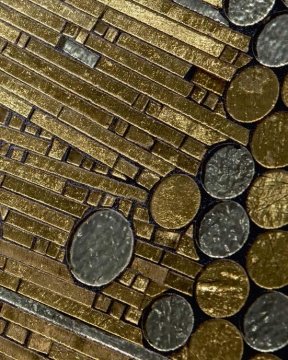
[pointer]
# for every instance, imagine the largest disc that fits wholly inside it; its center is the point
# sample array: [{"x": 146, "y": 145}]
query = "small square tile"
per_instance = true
[
  {"x": 71, "y": 29},
  {"x": 100, "y": 28},
  {"x": 117, "y": 309},
  {"x": 16, "y": 333},
  {"x": 75, "y": 192},
  {"x": 102, "y": 302},
  {"x": 111, "y": 34},
  {"x": 39, "y": 343},
  {"x": 82, "y": 36},
  {"x": 23, "y": 40}
]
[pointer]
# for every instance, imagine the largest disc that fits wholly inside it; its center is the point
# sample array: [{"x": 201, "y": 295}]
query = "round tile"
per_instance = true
[
  {"x": 267, "y": 263},
  {"x": 169, "y": 323},
  {"x": 272, "y": 42},
  {"x": 252, "y": 94},
  {"x": 216, "y": 339},
  {"x": 270, "y": 141},
  {"x": 248, "y": 12},
  {"x": 228, "y": 172},
  {"x": 101, "y": 248},
  {"x": 224, "y": 230},
  {"x": 266, "y": 323},
  {"x": 267, "y": 200},
  {"x": 175, "y": 201},
  {"x": 222, "y": 288}
]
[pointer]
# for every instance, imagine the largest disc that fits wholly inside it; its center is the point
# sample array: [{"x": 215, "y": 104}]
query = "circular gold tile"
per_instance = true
[
  {"x": 285, "y": 91},
  {"x": 270, "y": 141},
  {"x": 216, "y": 339},
  {"x": 265, "y": 357},
  {"x": 267, "y": 200},
  {"x": 267, "y": 260},
  {"x": 222, "y": 288},
  {"x": 252, "y": 94},
  {"x": 175, "y": 201}
]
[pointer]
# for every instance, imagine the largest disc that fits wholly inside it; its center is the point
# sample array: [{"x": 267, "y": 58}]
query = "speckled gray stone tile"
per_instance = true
[{"x": 101, "y": 248}]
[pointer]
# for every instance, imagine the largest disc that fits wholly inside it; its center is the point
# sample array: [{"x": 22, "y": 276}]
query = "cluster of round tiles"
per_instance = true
[
  {"x": 102, "y": 246},
  {"x": 222, "y": 288},
  {"x": 271, "y": 40}
]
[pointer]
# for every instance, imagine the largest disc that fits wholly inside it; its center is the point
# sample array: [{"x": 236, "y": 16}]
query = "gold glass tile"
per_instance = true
[{"x": 78, "y": 136}]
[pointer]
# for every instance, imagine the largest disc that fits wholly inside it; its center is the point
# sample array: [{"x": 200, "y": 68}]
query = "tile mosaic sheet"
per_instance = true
[{"x": 143, "y": 179}]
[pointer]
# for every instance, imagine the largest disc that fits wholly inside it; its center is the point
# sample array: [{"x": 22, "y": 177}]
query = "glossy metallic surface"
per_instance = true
[
  {"x": 248, "y": 12},
  {"x": 267, "y": 200},
  {"x": 228, "y": 172},
  {"x": 79, "y": 52},
  {"x": 266, "y": 322},
  {"x": 204, "y": 9},
  {"x": 222, "y": 288},
  {"x": 101, "y": 248},
  {"x": 252, "y": 94},
  {"x": 267, "y": 263},
  {"x": 175, "y": 202},
  {"x": 90, "y": 332},
  {"x": 272, "y": 43},
  {"x": 270, "y": 141},
  {"x": 224, "y": 230},
  {"x": 169, "y": 323},
  {"x": 204, "y": 342}
]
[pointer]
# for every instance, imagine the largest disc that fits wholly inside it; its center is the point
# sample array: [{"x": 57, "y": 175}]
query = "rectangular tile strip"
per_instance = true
[{"x": 53, "y": 316}]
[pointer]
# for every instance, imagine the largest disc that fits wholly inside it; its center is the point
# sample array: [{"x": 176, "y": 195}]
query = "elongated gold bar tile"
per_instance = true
[
  {"x": 67, "y": 12},
  {"x": 29, "y": 25},
  {"x": 76, "y": 139},
  {"x": 122, "y": 293},
  {"x": 194, "y": 148},
  {"x": 37, "y": 13},
  {"x": 35, "y": 210},
  {"x": 33, "y": 259},
  {"x": 8, "y": 32},
  {"x": 209, "y": 82},
  {"x": 86, "y": 177},
  {"x": 106, "y": 102},
  {"x": 153, "y": 54},
  {"x": 24, "y": 140},
  {"x": 44, "y": 196},
  {"x": 194, "y": 129},
  {"x": 36, "y": 228},
  {"x": 172, "y": 46},
  {"x": 14, "y": 102},
  {"x": 59, "y": 352},
  {"x": 198, "y": 22},
  {"x": 188, "y": 107},
  {"x": 89, "y": 6},
  {"x": 94, "y": 317},
  {"x": 135, "y": 63},
  {"x": 55, "y": 284},
  {"x": 52, "y": 90},
  {"x": 93, "y": 77},
  {"x": 175, "y": 157},
  {"x": 181, "y": 264},
  {"x": 17, "y": 235},
  {"x": 9, "y": 281},
  {"x": 189, "y": 36},
  {"x": 16, "y": 351},
  {"x": 31, "y": 174},
  {"x": 58, "y": 334},
  {"x": 117, "y": 143},
  {"x": 29, "y": 94}
]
